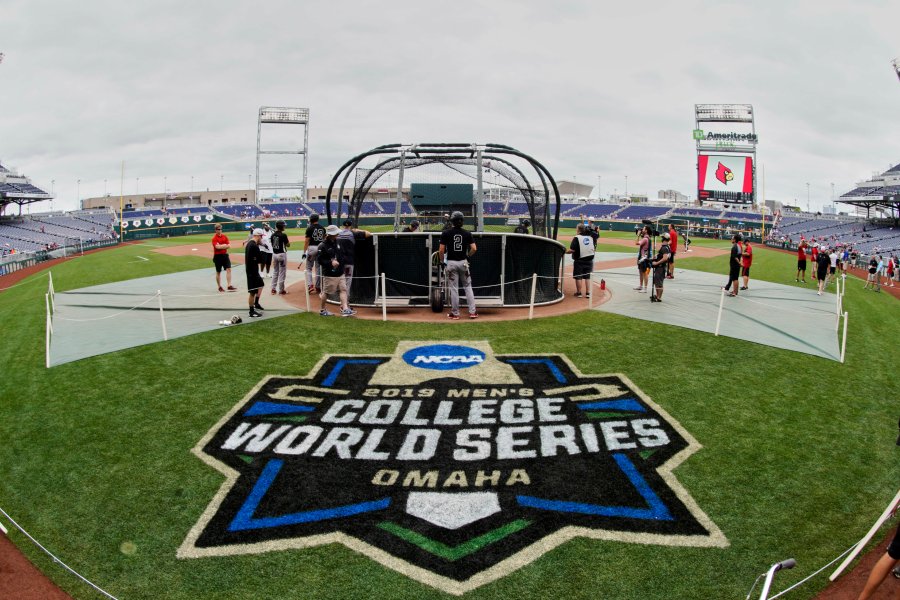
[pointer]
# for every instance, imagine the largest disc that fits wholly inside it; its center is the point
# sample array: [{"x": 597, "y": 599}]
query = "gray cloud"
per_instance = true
[{"x": 172, "y": 88}]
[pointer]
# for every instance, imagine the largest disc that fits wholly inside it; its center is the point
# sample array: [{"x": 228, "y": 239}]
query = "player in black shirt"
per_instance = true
[
  {"x": 522, "y": 227},
  {"x": 331, "y": 258},
  {"x": 734, "y": 264},
  {"x": 252, "y": 260},
  {"x": 660, "y": 266},
  {"x": 457, "y": 245},
  {"x": 315, "y": 235},
  {"x": 412, "y": 227},
  {"x": 280, "y": 244}
]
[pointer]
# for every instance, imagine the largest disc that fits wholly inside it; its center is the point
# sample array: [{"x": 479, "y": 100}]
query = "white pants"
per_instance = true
[
  {"x": 279, "y": 271},
  {"x": 312, "y": 267},
  {"x": 459, "y": 270}
]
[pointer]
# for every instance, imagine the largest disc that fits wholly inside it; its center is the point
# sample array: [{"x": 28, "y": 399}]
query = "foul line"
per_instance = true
[{"x": 55, "y": 559}]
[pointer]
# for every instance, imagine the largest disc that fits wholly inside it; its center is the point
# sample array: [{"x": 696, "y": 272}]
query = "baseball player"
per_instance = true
[
  {"x": 457, "y": 245},
  {"x": 315, "y": 235}
]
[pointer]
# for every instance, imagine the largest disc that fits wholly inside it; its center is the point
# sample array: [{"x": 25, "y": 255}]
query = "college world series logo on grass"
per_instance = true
[{"x": 446, "y": 462}]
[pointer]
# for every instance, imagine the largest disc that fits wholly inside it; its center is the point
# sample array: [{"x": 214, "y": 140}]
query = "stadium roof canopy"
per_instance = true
[
  {"x": 17, "y": 189},
  {"x": 880, "y": 191}
]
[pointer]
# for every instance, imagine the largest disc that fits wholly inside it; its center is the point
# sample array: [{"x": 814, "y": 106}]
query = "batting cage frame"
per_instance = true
[{"x": 468, "y": 160}]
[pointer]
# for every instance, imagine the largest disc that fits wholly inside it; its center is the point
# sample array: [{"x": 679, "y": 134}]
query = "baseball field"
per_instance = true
[{"x": 791, "y": 455}]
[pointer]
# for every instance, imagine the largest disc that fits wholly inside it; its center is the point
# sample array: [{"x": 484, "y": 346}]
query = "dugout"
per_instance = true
[{"x": 502, "y": 269}]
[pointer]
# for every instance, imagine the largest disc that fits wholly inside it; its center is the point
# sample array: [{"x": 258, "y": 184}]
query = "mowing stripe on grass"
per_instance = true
[{"x": 452, "y": 553}]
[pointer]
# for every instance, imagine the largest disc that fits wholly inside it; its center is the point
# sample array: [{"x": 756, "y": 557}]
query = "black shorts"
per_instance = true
[
  {"x": 671, "y": 260},
  {"x": 832, "y": 270},
  {"x": 745, "y": 271},
  {"x": 221, "y": 261},
  {"x": 265, "y": 259},
  {"x": 254, "y": 281},
  {"x": 822, "y": 273},
  {"x": 894, "y": 549},
  {"x": 659, "y": 276},
  {"x": 582, "y": 269},
  {"x": 801, "y": 265}
]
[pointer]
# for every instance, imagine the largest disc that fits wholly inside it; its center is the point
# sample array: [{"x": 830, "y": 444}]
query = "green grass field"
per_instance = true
[{"x": 798, "y": 454}]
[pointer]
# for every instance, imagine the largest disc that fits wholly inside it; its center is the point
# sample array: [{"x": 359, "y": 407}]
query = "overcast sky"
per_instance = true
[{"x": 588, "y": 88}]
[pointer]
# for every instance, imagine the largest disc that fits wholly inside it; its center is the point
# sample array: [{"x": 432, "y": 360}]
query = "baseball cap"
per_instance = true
[
  {"x": 258, "y": 231},
  {"x": 348, "y": 223},
  {"x": 664, "y": 236},
  {"x": 332, "y": 230}
]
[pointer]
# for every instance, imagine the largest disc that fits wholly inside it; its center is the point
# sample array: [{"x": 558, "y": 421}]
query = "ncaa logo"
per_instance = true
[{"x": 443, "y": 357}]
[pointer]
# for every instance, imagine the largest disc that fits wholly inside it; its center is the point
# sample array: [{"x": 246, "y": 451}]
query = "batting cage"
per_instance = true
[
  {"x": 432, "y": 181},
  {"x": 505, "y": 270},
  {"x": 436, "y": 179}
]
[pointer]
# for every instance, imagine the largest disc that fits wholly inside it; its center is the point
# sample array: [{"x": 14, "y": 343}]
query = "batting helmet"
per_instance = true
[{"x": 457, "y": 218}]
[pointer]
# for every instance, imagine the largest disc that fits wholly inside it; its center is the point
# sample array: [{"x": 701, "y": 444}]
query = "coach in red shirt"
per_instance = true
[
  {"x": 746, "y": 261},
  {"x": 221, "y": 259},
  {"x": 801, "y": 261}
]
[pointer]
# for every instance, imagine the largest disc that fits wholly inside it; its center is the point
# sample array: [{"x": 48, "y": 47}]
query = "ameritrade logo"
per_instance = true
[
  {"x": 443, "y": 357},
  {"x": 453, "y": 477}
]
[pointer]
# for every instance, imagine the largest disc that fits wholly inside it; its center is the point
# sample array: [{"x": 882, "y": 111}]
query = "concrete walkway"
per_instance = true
[
  {"x": 775, "y": 315},
  {"x": 114, "y": 316}
]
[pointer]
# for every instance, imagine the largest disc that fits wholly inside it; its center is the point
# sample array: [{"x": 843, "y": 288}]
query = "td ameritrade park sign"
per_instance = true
[
  {"x": 446, "y": 462},
  {"x": 725, "y": 138}
]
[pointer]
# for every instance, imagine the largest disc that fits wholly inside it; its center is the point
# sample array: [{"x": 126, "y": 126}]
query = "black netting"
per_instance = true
[
  {"x": 525, "y": 256},
  {"x": 510, "y": 178},
  {"x": 405, "y": 259}
]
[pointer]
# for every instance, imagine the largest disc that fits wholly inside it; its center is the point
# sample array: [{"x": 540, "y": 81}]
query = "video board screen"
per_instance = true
[{"x": 725, "y": 178}]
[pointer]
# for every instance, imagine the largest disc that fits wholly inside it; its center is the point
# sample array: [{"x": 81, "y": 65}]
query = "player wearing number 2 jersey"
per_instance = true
[{"x": 457, "y": 245}]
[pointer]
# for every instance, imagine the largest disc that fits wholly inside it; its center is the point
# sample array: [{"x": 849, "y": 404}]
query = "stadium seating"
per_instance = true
[
  {"x": 637, "y": 212},
  {"x": 710, "y": 213}
]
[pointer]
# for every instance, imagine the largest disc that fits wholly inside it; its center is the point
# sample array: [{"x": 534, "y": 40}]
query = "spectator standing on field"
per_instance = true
[
  {"x": 348, "y": 237},
  {"x": 801, "y": 261},
  {"x": 832, "y": 268},
  {"x": 643, "y": 257},
  {"x": 252, "y": 258},
  {"x": 660, "y": 266},
  {"x": 331, "y": 258},
  {"x": 873, "y": 268},
  {"x": 280, "y": 244},
  {"x": 265, "y": 246},
  {"x": 822, "y": 263},
  {"x": 673, "y": 248},
  {"x": 746, "y": 261},
  {"x": 221, "y": 260},
  {"x": 734, "y": 266},
  {"x": 582, "y": 250}
]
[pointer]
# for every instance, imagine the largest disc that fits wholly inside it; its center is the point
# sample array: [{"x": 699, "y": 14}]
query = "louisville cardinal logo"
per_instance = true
[{"x": 724, "y": 174}]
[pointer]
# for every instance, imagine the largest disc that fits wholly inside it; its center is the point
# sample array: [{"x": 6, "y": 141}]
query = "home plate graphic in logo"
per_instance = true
[{"x": 446, "y": 462}]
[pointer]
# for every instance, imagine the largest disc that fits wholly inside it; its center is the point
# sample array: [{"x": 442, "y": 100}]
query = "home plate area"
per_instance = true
[{"x": 447, "y": 463}]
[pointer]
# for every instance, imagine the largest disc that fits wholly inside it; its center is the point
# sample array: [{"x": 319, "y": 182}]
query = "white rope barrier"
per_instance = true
[
  {"x": 885, "y": 515},
  {"x": 108, "y": 316},
  {"x": 719, "y": 318},
  {"x": 162, "y": 316},
  {"x": 844, "y": 341},
  {"x": 802, "y": 581},
  {"x": 533, "y": 291},
  {"x": 383, "y": 299},
  {"x": 48, "y": 332},
  {"x": 55, "y": 559}
]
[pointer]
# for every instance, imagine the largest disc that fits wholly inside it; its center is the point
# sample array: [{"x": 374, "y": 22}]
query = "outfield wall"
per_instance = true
[{"x": 698, "y": 227}]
